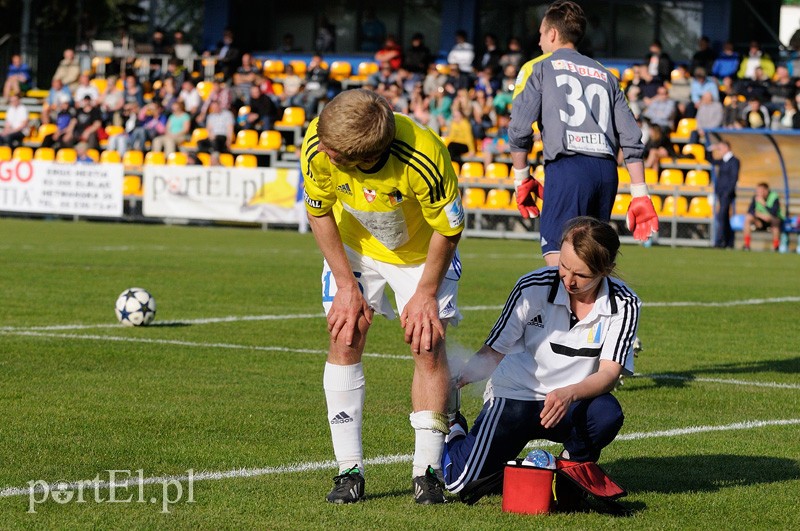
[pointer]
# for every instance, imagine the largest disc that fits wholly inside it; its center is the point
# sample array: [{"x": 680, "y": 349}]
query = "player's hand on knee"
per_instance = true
[
  {"x": 348, "y": 307},
  {"x": 642, "y": 219},
  {"x": 528, "y": 190},
  {"x": 420, "y": 319}
]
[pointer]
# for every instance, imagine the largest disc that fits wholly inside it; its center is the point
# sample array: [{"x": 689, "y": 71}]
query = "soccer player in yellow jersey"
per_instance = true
[{"x": 383, "y": 203}]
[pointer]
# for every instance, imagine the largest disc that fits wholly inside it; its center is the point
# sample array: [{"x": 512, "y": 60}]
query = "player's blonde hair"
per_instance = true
[
  {"x": 358, "y": 124},
  {"x": 567, "y": 17},
  {"x": 595, "y": 242}
]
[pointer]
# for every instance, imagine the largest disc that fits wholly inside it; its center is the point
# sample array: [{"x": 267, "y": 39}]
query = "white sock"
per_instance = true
[
  {"x": 430, "y": 428},
  {"x": 344, "y": 393}
]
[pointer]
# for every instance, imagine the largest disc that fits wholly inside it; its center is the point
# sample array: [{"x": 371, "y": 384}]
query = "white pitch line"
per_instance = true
[
  {"x": 274, "y": 317},
  {"x": 773, "y": 385},
  {"x": 381, "y": 460}
]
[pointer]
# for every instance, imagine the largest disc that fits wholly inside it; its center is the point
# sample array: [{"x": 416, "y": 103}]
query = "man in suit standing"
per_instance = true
[{"x": 725, "y": 192}]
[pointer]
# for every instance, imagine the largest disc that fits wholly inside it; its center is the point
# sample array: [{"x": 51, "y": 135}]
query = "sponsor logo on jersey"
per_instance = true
[
  {"x": 345, "y": 189},
  {"x": 341, "y": 418},
  {"x": 395, "y": 198},
  {"x": 369, "y": 195},
  {"x": 588, "y": 142},
  {"x": 581, "y": 70},
  {"x": 455, "y": 213},
  {"x": 536, "y": 321},
  {"x": 313, "y": 203}
]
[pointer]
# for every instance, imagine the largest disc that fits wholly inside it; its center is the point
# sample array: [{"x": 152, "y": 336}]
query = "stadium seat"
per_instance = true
[
  {"x": 246, "y": 161},
  {"x": 650, "y": 176},
  {"x": 277, "y": 88},
  {"x": 270, "y": 140},
  {"x": 246, "y": 139},
  {"x": 274, "y": 68},
  {"x": 340, "y": 70},
  {"x": 112, "y": 130},
  {"x": 40, "y": 133},
  {"x": 364, "y": 70},
  {"x": 155, "y": 158},
  {"x": 198, "y": 134},
  {"x": 204, "y": 158},
  {"x": 697, "y": 178},
  {"x": 204, "y": 88},
  {"x": 100, "y": 83},
  {"x": 697, "y": 151},
  {"x": 443, "y": 69},
  {"x": 5, "y": 153},
  {"x": 299, "y": 67},
  {"x": 292, "y": 117},
  {"x": 23, "y": 153},
  {"x": 226, "y": 159},
  {"x": 700, "y": 207},
  {"x": 623, "y": 175},
  {"x": 497, "y": 170},
  {"x": 132, "y": 186},
  {"x": 614, "y": 71},
  {"x": 538, "y": 173},
  {"x": 44, "y": 153},
  {"x": 474, "y": 198},
  {"x": 177, "y": 158},
  {"x": 628, "y": 75},
  {"x": 684, "y": 130},
  {"x": 621, "y": 204},
  {"x": 657, "y": 201},
  {"x": 456, "y": 167},
  {"x": 93, "y": 154},
  {"x": 671, "y": 177},
  {"x": 243, "y": 111},
  {"x": 498, "y": 199},
  {"x": 133, "y": 158},
  {"x": 66, "y": 155},
  {"x": 471, "y": 170},
  {"x": 110, "y": 156},
  {"x": 674, "y": 207}
]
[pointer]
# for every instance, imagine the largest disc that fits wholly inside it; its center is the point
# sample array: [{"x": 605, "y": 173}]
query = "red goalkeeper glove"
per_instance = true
[
  {"x": 528, "y": 190},
  {"x": 642, "y": 218}
]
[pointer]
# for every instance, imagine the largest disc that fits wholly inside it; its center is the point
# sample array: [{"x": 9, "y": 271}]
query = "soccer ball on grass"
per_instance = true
[{"x": 135, "y": 307}]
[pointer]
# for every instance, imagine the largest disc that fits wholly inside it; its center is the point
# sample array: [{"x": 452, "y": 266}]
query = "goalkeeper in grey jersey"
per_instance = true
[{"x": 584, "y": 120}]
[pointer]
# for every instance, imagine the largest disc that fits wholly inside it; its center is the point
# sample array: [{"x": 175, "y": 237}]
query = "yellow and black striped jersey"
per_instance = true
[{"x": 389, "y": 211}]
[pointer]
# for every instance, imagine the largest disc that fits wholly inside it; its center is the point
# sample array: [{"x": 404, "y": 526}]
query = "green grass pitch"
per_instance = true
[{"x": 228, "y": 383}]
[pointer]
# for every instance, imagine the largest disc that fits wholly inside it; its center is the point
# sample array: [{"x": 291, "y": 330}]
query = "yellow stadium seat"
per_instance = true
[
  {"x": 538, "y": 173},
  {"x": 628, "y": 75},
  {"x": 657, "y": 201},
  {"x": 277, "y": 88},
  {"x": 44, "y": 153},
  {"x": 66, "y": 155},
  {"x": 472, "y": 169},
  {"x": 246, "y": 139},
  {"x": 340, "y": 70},
  {"x": 621, "y": 204},
  {"x": 156, "y": 158},
  {"x": 273, "y": 67},
  {"x": 112, "y": 130},
  {"x": 177, "y": 158},
  {"x": 497, "y": 170},
  {"x": 671, "y": 177},
  {"x": 132, "y": 186},
  {"x": 456, "y": 167},
  {"x": 198, "y": 134},
  {"x": 674, "y": 207},
  {"x": 204, "y": 88},
  {"x": 443, "y": 69},
  {"x": 650, "y": 176},
  {"x": 226, "y": 159},
  {"x": 474, "y": 198},
  {"x": 697, "y": 178},
  {"x": 614, "y": 71},
  {"x": 46, "y": 130},
  {"x": 270, "y": 140},
  {"x": 93, "y": 154},
  {"x": 244, "y": 110},
  {"x": 110, "y": 156},
  {"x": 133, "y": 158},
  {"x": 299, "y": 67},
  {"x": 684, "y": 130},
  {"x": 5, "y": 153},
  {"x": 204, "y": 158},
  {"x": 292, "y": 117},
  {"x": 700, "y": 207},
  {"x": 364, "y": 70},
  {"x": 246, "y": 161},
  {"x": 623, "y": 175},
  {"x": 101, "y": 84},
  {"x": 697, "y": 151},
  {"x": 23, "y": 153},
  {"x": 498, "y": 199}
]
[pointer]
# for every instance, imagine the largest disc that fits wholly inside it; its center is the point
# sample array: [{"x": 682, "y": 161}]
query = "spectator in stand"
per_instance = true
[
  {"x": 63, "y": 117},
  {"x": 51, "y": 103},
  {"x": 440, "y": 103},
  {"x": 152, "y": 123},
  {"x": 119, "y": 142},
  {"x": 764, "y": 214},
  {"x": 755, "y": 115},
  {"x": 433, "y": 80},
  {"x": 133, "y": 92},
  {"x": 789, "y": 118},
  {"x": 513, "y": 55},
  {"x": 325, "y": 39},
  {"x": 220, "y": 94},
  {"x": 497, "y": 144},
  {"x": 648, "y": 85},
  {"x": 486, "y": 81},
  {"x": 175, "y": 71},
  {"x": 263, "y": 111},
  {"x": 85, "y": 125},
  {"x": 709, "y": 116},
  {"x": 244, "y": 78},
  {"x": 292, "y": 88},
  {"x": 634, "y": 102},
  {"x": 397, "y": 99},
  {"x": 84, "y": 89},
  {"x": 418, "y": 105},
  {"x": 82, "y": 153},
  {"x": 756, "y": 58},
  {"x": 459, "y": 135},
  {"x": 658, "y": 147},
  {"x": 661, "y": 110},
  {"x": 191, "y": 99},
  {"x": 384, "y": 77},
  {"x": 702, "y": 84},
  {"x": 68, "y": 70},
  {"x": 727, "y": 176},
  {"x": 220, "y": 124},
  {"x": 373, "y": 32},
  {"x": 482, "y": 114},
  {"x": 727, "y": 62},
  {"x": 18, "y": 77},
  {"x": 181, "y": 48},
  {"x": 418, "y": 57},
  {"x": 16, "y": 122},
  {"x": 679, "y": 90},
  {"x": 316, "y": 85},
  {"x": 168, "y": 93},
  {"x": 111, "y": 102},
  {"x": 391, "y": 53},
  {"x": 658, "y": 62},
  {"x": 179, "y": 124},
  {"x": 758, "y": 87},
  {"x": 783, "y": 86},
  {"x": 490, "y": 58},
  {"x": 462, "y": 54},
  {"x": 704, "y": 56},
  {"x": 227, "y": 55}
]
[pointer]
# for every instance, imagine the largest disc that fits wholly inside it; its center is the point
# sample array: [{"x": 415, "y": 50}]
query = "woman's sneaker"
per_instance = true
[{"x": 348, "y": 487}]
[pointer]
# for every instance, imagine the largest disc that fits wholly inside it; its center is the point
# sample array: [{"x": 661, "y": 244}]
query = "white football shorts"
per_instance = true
[{"x": 373, "y": 277}]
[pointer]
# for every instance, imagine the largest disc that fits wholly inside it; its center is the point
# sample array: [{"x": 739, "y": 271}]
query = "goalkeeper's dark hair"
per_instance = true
[
  {"x": 595, "y": 242},
  {"x": 568, "y": 18}
]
